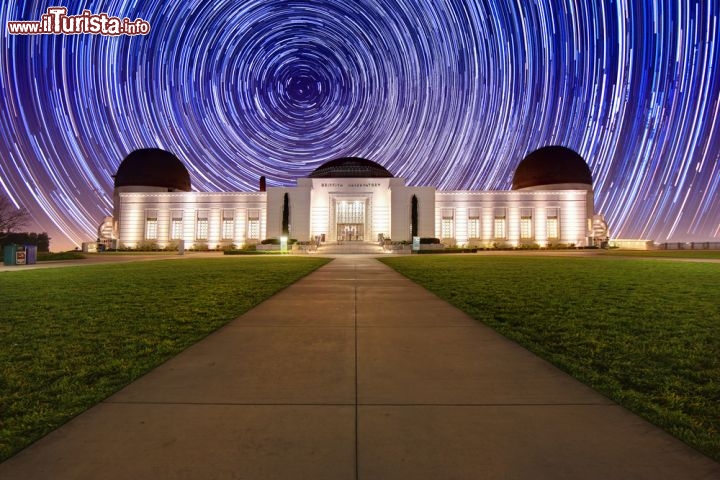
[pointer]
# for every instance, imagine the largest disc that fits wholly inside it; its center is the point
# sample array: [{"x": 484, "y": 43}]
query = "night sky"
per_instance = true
[{"x": 451, "y": 94}]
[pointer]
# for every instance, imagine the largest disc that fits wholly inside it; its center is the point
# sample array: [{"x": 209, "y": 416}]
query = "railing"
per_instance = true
[{"x": 690, "y": 246}]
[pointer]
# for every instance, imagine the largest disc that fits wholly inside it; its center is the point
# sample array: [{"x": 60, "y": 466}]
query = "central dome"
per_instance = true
[
  {"x": 153, "y": 167},
  {"x": 350, "y": 167},
  {"x": 551, "y": 165}
]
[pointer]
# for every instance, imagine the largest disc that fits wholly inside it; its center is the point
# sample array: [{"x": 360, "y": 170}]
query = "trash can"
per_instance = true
[
  {"x": 9, "y": 255},
  {"x": 30, "y": 254}
]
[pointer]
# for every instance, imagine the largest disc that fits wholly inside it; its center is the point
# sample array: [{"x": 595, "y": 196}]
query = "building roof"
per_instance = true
[
  {"x": 152, "y": 167},
  {"x": 551, "y": 165},
  {"x": 350, "y": 167}
]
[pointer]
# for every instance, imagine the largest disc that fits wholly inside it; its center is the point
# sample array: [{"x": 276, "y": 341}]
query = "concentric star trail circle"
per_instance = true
[{"x": 451, "y": 94}]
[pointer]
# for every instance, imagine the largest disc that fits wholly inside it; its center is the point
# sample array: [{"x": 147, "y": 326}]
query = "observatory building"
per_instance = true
[{"x": 352, "y": 200}]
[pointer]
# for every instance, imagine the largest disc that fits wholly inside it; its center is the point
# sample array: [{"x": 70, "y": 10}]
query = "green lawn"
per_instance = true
[
  {"x": 50, "y": 256},
  {"x": 700, "y": 254},
  {"x": 644, "y": 333},
  {"x": 133, "y": 253},
  {"x": 69, "y": 337}
]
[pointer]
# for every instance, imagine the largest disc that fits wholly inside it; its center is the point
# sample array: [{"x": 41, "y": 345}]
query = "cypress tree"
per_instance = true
[
  {"x": 414, "y": 217},
  {"x": 286, "y": 215}
]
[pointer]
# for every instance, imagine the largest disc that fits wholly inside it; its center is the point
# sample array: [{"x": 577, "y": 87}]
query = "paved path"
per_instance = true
[{"x": 355, "y": 372}]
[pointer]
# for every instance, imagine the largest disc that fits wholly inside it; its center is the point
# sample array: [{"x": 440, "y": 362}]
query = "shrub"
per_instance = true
[
  {"x": 276, "y": 241},
  {"x": 429, "y": 241},
  {"x": 172, "y": 246},
  {"x": 147, "y": 245},
  {"x": 200, "y": 246},
  {"x": 447, "y": 250}
]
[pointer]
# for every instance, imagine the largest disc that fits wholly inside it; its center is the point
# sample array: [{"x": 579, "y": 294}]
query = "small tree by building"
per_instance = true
[
  {"x": 11, "y": 217},
  {"x": 286, "y": 215},
  {"x": 41, "y": 240},
  {"x": 414, "y": 217}
]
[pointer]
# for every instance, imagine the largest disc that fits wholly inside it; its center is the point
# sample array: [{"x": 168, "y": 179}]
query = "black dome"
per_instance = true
[
  {"x": 551, "y": 165},
  {"x": 152, "y": 167},
  {"x": 350, "y": 167}
]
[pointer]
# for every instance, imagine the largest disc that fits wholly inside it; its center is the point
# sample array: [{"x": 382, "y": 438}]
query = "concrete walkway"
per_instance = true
[{"x": 355, "y": 372}]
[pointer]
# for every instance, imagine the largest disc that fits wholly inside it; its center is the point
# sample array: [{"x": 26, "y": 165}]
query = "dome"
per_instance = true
[
  {"x": 350, "y": 167},
  {"x": 551, "y": 165},
  {"x": 152, "y": 167}
]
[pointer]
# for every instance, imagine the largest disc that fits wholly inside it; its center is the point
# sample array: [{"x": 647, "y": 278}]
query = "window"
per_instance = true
[
  {"x": 499, "y": 223},
  {"x": 228, "y": 225},
  {"x": 151, "y": 225},
  {"x": 448, "y": 223},
  {"x": 253, "y": 229},
  {"x": 447, "y": 228},
  {"x": 176, "y": 225},
  {"x": 473, "y": 228},
  {"x": 350, "y": 212},
  {"x": 201, "y": 230},
  {"x": 474, "y": 223},
  {"x": 526, "y": 223},
  {"x": 553, "y": 226}
]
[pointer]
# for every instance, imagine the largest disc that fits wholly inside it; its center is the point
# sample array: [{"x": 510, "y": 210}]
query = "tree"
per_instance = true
[
  {"x": 414, "y": 217},
  {"x": 11, "y": 218},
  {"x": 41, "y": 240},
  {"x": 286, "y": 215}
]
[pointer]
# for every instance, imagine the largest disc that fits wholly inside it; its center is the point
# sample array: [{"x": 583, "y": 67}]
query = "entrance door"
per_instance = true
[
  {"x": 350, "y": 232},
  {"x": 350, "y": 220}
]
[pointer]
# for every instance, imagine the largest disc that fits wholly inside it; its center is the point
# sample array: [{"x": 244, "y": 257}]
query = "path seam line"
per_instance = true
[{"x": 357, "y": 464}]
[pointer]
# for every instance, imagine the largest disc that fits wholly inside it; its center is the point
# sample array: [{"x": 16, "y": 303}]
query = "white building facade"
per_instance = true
[{"x": 354, "y": 200}]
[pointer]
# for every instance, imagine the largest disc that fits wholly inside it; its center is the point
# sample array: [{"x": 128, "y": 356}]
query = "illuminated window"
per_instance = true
[
  {"x": 151, "y": 225},
  {"x": 201, "y": 230},
  {"x": 253, "y": 228},
  {"x": 474, "y": 223},
  {"x": 448, "y": 223},
  {"x": 447, "y": 228},
  {"x": 553, "y": 226},
  {"x": 228, "y": 225},
  {"x": 526, "y": 223},
  {"x": 499, "y": 223},
  {"x": 176, "y": 225},
  {"x": 350, "y": 212}
]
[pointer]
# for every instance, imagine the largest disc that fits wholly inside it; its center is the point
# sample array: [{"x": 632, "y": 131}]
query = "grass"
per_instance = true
[
  {"x": 70, "y": 337},
  {"x": 699, "y": 254},
  {"x": 50, "y": 256},
  {"x": 254, "y": 252},
  {"x": 123, "y": 253},
  {"x": 644, "y": 333}
]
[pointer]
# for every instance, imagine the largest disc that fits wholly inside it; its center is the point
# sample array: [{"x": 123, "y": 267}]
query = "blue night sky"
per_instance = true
[{"x": 450, "y": 93}]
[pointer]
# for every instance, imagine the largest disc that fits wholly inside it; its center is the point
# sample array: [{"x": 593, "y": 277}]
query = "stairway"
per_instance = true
[{"x": 350, "y": 248}]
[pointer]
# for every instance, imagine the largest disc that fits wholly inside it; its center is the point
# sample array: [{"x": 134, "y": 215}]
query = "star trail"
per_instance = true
[{"x": 451, "y": 94}]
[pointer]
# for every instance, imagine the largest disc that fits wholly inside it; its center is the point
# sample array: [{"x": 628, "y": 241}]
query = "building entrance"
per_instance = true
[
  {"x": 350, "y": 232},
  {"x": 350, "y": 220}
]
